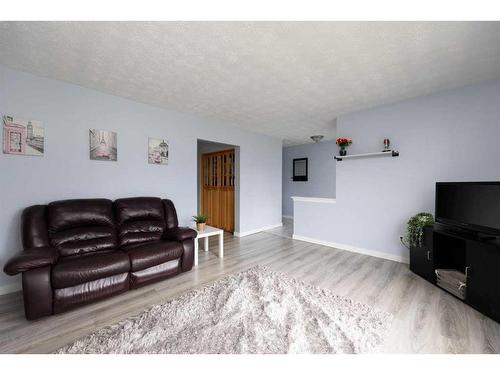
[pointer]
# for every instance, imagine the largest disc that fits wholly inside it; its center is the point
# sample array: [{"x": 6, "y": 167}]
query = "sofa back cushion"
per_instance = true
[
  {"x": 139, "y": 220},
  {"x": 79, "y": 226}
]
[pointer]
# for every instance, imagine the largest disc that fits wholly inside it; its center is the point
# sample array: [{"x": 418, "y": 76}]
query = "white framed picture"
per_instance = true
[
  {"x": 23, "y": 137},
  {"x": 157, "y": 151},
  {"x": 103, "y": 145}
]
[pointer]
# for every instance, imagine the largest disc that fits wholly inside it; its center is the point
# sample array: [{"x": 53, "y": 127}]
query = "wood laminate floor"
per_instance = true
[{"x": 427, "y": 319}]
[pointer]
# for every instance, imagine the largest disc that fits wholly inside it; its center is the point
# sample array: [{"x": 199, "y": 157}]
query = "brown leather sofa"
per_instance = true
[{"x": 83, "y": 250}]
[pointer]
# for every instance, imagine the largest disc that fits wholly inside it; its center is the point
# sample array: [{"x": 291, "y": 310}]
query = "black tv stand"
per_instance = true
[
  {"x": 465, "y": 233},
  {"x": 478, "y": 257},
  {"x": 486, "y": 237}
]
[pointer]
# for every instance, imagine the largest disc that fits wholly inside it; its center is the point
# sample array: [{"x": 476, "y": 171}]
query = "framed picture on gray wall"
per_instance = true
[
  {"x": 23, "y": 137},
  {"x": 300, "y": 169},
  {"x": 103, "y": 145},
  {"x": 157, "y": 151}
]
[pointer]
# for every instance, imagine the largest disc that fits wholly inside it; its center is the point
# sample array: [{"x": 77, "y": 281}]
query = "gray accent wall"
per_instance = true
[
  {"x": 321, "y": 165},
  {"x": 450, "y": 136},
  {"x": 68, "y": 111}
]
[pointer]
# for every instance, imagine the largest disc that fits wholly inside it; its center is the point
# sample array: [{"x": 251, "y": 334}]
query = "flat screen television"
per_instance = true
[{"x": 469, "y": 205}]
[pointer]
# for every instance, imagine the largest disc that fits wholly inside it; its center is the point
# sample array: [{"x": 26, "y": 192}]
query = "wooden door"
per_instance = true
[{"x": 217, "y": 198}]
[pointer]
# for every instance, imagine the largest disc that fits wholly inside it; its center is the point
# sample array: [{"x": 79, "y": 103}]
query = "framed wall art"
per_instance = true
[
  {"x": 23, "y": 137},
  {"x": 103, "y": 145},
  {"x": 157, "y": 151}
]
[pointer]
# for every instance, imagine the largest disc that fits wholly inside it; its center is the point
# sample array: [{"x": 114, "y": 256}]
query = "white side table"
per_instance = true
[{"x": 209, "y": 231}]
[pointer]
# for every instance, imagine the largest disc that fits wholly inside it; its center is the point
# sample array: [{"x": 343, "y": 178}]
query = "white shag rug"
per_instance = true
[{"x": 255, "y": 311}]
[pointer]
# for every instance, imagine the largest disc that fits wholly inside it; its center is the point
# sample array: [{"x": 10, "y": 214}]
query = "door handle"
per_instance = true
[
  {"x": 467, "y": 271},
  {"x": 428, "y": 255}
]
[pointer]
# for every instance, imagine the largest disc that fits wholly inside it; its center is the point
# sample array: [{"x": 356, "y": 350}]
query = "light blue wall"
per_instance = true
[
  {"x": 321, "y": 179},
  {"x": 68, "y": 111},
  {"x": 451, "y": 136}
]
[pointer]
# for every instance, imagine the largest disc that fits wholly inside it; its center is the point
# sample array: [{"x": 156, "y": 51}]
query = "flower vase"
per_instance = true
[{"x": 342, "y": 151}]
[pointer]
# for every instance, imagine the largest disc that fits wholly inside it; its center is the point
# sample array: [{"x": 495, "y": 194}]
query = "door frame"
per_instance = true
[
  {"x": 218, "y": 187},
  {"x": 237, "y": 172}
]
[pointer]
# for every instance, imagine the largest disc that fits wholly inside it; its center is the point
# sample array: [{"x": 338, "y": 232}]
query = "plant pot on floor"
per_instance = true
[{"x": 200, "y": 227}]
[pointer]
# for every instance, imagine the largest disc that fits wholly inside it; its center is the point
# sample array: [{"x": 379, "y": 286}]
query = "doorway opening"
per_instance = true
[{"x": 218, "y": 184}]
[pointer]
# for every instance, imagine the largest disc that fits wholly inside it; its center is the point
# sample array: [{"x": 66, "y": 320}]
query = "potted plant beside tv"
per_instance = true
[
  {"x": 416, "y": 239},
  {"x": 415, "y": 228},
  {"x": 200, "y": 221}
]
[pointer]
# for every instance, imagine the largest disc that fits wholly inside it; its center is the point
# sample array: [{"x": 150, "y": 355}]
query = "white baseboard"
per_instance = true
[
  {"x": 287, "y": 217},
  {"x": 248, "y": 233},
  {"x": 11, "y": 288},
  {"x": 354, "y": 249}
]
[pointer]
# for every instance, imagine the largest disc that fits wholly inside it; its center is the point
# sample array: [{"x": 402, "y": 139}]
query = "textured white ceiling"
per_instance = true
[{"x": 284, "y": 79}]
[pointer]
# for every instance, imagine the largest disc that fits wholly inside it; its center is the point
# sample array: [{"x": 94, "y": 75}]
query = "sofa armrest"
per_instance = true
[
  {"x": 31, "y": 259},
  {"x": 180, "y": 234}
]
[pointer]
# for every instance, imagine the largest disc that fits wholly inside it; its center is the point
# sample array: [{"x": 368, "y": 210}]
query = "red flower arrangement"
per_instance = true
[{"x": 344, "y": 142}]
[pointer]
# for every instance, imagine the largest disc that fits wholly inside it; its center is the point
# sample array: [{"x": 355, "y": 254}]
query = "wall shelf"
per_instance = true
[
  {"x": 314, "y": 199},
  {"x": 367, "y": 155}
]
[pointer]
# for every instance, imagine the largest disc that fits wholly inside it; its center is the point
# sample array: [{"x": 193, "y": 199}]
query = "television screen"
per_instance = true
[{"x": 473, "y": 205}]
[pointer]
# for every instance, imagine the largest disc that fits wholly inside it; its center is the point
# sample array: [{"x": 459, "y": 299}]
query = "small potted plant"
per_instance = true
[
  {"x": 343, "y": 143},
  {"x": 415, "y": 229},
  {"x": 200, "y": 221}
]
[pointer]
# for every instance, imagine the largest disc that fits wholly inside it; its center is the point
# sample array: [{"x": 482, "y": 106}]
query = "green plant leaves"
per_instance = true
[
  {"x": 415, "y": 228},
  {"x": 200, "y": 218}
]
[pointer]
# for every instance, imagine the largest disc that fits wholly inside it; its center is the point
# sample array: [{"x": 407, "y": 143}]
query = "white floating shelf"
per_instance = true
[
  {"x": 368, "y": 155},
  {"x": 314, "y": 199}
]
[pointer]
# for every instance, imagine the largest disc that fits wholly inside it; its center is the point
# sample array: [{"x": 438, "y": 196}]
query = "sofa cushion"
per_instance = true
[
  {"x": 155, "y": 273},
  {"x": 151, "y": 254},
  {"x": 135, "y": 233},
  {"x": 180, "y": 234},
  {"x": 81, "y": 294},
  {"x": 74, "y": 213},
  {"x": 76, "y": 270},
  {"x": 84, "y": 240},
  {"x": 81, "y": 226},
  {"x": 140, "y": 220}
]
